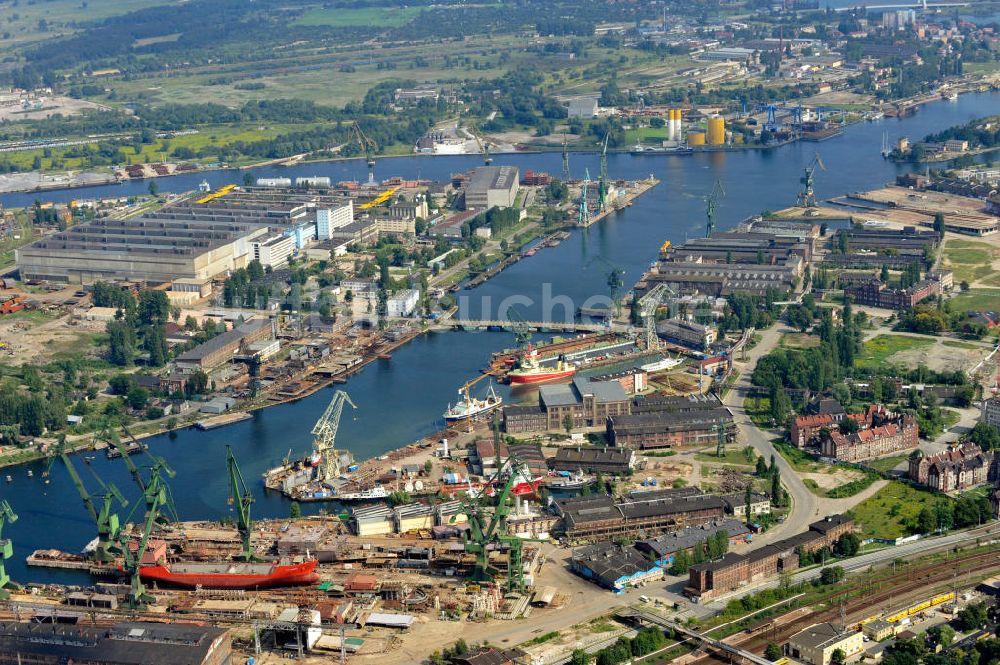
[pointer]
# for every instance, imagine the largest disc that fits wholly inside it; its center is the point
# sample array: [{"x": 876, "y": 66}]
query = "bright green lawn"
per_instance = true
[
  {"x": 888, "y": 511},
  {"x": 880, "y": 349},
  {"x": 887, "y": 463}
]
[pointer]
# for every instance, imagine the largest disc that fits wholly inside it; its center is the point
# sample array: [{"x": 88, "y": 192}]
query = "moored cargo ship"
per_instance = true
[
  {"x": 232, "y": 574},
  {"x": 531, "y": 370},
  {"x": 471, "y": 407}
]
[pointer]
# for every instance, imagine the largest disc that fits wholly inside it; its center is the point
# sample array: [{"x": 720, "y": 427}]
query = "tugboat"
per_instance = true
[
  {"x": 470, "y": 407},
  {"x": 531, "y": 370}
]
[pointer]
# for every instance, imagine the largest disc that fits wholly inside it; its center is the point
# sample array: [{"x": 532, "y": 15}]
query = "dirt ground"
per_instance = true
[
  {"x": 828, "y": 481},
  {"x": 939, "y": 357},
  {"x": 837, "y": 98},
  {"x": 52, "y": 105}
]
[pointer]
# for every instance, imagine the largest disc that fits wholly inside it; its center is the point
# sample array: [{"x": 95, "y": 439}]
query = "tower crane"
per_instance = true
[
  {"x": 602, "y": 181},
  {"x": 240, "y": 497},
  {"x": 7, "y": 516},
  {"x": 370, "y": 148},
  {"x": 325, "y": 434},
  {"x": 711, "y": 203},
  {"x": 106, "y": 521},
  {"x": 807, "y": 197}
]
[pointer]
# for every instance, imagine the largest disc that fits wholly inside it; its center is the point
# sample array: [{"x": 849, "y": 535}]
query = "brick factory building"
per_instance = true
[
  {"x": 714, "y": 578},
  {"x": 669, "y": 429},
  {"x": 602, "y": 517}
]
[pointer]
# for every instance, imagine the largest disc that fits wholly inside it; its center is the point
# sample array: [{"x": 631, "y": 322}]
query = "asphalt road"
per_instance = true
[{"x": 806, "y": 506}]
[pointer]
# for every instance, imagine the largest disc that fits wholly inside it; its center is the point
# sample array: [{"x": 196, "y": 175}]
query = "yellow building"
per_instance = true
[
  {"x": 815, "y": 645},
  {"x": 878, "y": 630},
  {"x": 716, "y": 130}
]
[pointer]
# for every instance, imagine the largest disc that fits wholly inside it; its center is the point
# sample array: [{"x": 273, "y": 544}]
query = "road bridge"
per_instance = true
[
  {"x": 642, "y": 616},
  {"x": 544, "y": 326}
]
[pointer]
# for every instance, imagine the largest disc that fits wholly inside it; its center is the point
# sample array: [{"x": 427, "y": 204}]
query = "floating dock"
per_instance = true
[{"x": 222, "y": 420}]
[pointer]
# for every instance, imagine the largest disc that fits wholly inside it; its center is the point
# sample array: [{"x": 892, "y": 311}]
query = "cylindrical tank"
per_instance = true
[
  {"x": 408, "y": 486},
  {"x": 696, "y": 137},
  {"x": 677, "y": 124},
  {"x": 716, "y": 130},
  {"x": 419, "y": 485}
]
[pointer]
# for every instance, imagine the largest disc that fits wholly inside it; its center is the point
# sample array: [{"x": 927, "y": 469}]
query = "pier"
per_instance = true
[{"x": 541, "y": 326}]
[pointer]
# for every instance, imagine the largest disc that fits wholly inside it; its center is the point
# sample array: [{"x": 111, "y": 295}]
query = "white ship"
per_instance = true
[
  {"x": 372, "y": 494},
  {"x": 662, "y": 364},
  {"x": 471, "y": 407}
]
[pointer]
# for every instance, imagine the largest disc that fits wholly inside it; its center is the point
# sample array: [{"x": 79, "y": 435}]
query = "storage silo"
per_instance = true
[
  {"x": 696, "y": 137},
  {"x": 716, "y": 130}
]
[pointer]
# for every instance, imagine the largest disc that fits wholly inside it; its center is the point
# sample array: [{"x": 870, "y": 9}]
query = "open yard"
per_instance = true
[
  {"x": 888, "y": 513},
  {"x": 981, "y": 300},
  {"x": 969, "y": 260},
  {"x": 881, "y": 349}
]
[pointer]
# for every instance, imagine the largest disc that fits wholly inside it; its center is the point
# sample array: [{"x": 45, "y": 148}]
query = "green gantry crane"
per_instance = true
[
  {"x": 168, "y": 513},
  {"x": 483, "y": 533},
  {"x": 241, "y": 498},
  {"x": 108, "y": 525},
  {"x": 711, "y": 202},
  {"x": 132, "y": 561},
  {"x": 602, "y": 181},
  {"x": 7, "y": 516}
]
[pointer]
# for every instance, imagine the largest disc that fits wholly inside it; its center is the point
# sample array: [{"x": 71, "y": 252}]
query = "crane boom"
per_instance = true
[
  {"x": 325, "y": 435},
  {"x": 241, "y": 498},
  {"x": 7, "y": 516}
]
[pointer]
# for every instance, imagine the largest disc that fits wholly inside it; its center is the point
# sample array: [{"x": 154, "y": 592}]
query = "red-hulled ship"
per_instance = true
[
  {"x": 531, "y": 371},
  {"x": 232, "y": 574}
]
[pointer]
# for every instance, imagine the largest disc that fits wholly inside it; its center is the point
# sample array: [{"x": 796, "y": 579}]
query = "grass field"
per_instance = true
[
  {"x": 890, "y": 510},
  {"x": 344, "y": 18},
  {"x": 955, "y": 344},
  {"x": 759, "y": 410},
  {"x": 982, "y": 300},
  {"x": 21, "y": 19},
  {"x": 970, "y": 261},
  {"x": 732, "y": 456},
  {"x": 887, "y": 463},
  {"x": 799, "y": 341},
  {"x": 878, "y": 350},
  {"x": 799, "y": 459}
]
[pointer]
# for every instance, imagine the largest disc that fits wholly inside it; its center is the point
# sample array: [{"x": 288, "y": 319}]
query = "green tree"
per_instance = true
[
  {"x": 295, "y": 510},
  {"x": 137, "y": 397},
  {"x": 942, "y": 634},
  {"x": 579, "y": 657},
  {"x": 761, "y": 470},
  {"x": 567, "y": 423},
  {"x": 838, "y": 657},
  {"x": 154, "y": 188},
  {"x": 121, "y": 343},
  {"x": 773, "y": 651},
  {"x": 926, "y": 520}
]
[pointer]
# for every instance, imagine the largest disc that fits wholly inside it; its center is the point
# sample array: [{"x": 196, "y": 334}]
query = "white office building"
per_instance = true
[
  {"x": 273, "y": 250},
  {"x": 330, "y": 219},
  {"x": 403, "y": 303}
]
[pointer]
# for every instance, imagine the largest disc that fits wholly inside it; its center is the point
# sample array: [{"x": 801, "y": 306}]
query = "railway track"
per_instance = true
[{"x": 896, "y": 587}]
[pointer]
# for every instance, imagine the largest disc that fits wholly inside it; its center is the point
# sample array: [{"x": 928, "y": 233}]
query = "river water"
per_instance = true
[{"x": 401, "y": 399}]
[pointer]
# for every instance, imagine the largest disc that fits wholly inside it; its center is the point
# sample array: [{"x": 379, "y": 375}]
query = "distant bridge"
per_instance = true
[
  {"x": 642, "y": 616},
  {"x": 545, "y": 326},
  {"x": 911, "y": 5}
]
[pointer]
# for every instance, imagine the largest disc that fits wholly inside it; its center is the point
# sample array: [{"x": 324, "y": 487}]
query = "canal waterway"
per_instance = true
[{"x": 401, "y": 400}]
